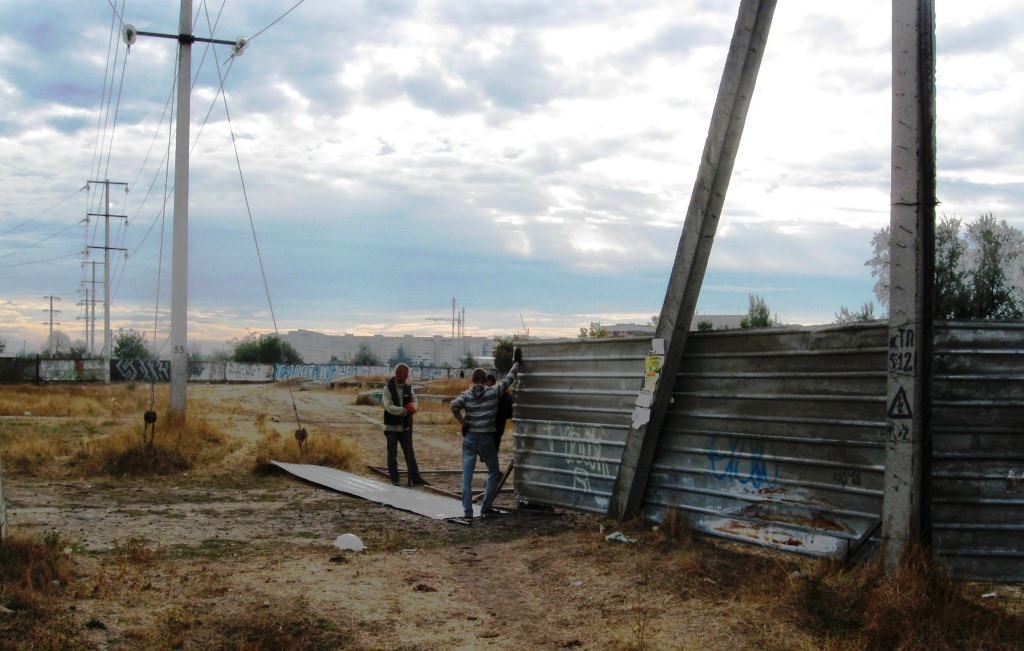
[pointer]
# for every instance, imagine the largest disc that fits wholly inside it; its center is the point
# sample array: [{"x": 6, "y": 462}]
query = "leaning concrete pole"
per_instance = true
[
  {"x": 179, "y": 241},
  {"x": 734, "y": 93},
  {"x": 912, "y": 271}
]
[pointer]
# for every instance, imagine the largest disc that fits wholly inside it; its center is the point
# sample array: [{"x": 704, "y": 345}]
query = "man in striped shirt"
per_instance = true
[{"x": 475, "y": 409}]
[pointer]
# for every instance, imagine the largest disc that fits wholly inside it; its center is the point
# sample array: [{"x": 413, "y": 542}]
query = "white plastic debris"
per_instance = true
[
  {"x": 619, "y": 537},
  {"x": 350, "y": 542}
]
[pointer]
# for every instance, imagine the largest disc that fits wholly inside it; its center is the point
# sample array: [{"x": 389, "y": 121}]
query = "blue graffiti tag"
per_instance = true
[{"x": 745, "y": 461}]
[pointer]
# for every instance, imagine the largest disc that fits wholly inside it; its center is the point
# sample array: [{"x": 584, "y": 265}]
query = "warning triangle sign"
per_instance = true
[{"x": 899, "y": 408}]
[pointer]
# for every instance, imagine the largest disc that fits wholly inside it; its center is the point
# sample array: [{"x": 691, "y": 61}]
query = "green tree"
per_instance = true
[
  {"x": 758, "y": 314},
  {"x": 400, "y": 357},
  {"x": 469, "y": 361},
  {"x": 595, "y": 330},
  {"x": 365, "y": 357},
  {"x": 131, "y": 344},
  {"x": 704, "y": 325},
  {"x": 866, "y": 313},
  {"x": 255, "y": 348},
  {"x": 978, "y": 269},
  {"x": 951, "y": 292},
  {"x": 57, "y": 346},
  {"x": 996, "y": 252},
  {"x": 504, "y": 348},
  {"x": 3, "y": 345}
]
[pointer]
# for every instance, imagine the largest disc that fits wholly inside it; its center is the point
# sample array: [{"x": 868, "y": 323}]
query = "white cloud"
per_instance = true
[{"x": 534, "y": 153}]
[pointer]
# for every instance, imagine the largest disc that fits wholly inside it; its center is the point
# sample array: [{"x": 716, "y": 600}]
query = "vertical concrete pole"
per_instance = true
[
  {"x": 179, "y": 240},
  {"x": 905, "y": 517},
  {"x": 107, "y": 352},
  {"x": 734, "y": 94}
]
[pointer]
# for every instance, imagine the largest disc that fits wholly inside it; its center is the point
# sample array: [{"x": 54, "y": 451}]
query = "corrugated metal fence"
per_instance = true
[
  {"x": 978, "y": 461},
  {"x": 775, "y": 436},
  {"x": 573, "y": 411}
]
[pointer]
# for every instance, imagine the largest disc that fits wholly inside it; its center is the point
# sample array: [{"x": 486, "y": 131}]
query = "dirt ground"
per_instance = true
[{"x": 223, "y": 553}]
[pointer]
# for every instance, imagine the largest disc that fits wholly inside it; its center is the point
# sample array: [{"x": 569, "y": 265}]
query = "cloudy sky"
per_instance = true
[{"x": 531, "y": 159}]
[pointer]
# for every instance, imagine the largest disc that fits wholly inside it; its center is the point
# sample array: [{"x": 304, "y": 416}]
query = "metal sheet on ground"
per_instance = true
[{"x": 431, "y": 505}]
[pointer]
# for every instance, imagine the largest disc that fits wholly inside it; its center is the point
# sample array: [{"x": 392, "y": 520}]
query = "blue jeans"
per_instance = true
[{"x": 476, "y": 444}]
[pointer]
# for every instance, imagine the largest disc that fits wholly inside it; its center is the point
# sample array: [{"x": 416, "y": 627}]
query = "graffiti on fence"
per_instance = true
[
  {"x": 199, "y": 371},
  {"x": 327, "y": 372},
  {"x": 310, "y": 371},
  {"x": 582, "y": 450},
  {"x": 242, "y": 372},
  {"x": 847, "y": 477},
  {"x": 131, "y": 370},
  {"x": 140, "y": 370},
  {"x": 749, "y": 462}
]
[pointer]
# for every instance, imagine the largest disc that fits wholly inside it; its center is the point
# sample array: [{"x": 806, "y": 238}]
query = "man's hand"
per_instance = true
[
  {"x": 465, "y": 429},
  {"x": 410, "y": 408}
]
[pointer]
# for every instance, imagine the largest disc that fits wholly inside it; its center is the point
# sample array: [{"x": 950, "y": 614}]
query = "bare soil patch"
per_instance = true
[{"x": 223, "y": 557}]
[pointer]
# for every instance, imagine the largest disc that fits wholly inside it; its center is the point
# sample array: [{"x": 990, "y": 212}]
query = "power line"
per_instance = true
[
  {"x": 48, "y": 237},
  {"x": 41, "y": 213},
  {"x": 279, "y": 19},
  {"x": 24, "y": 264}
]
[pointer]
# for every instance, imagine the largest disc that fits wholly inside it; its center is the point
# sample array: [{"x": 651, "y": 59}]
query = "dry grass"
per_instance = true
[
  {"x": 74, "y": 443},
  {"x": 917, "y": 606},
  {"x": 32, "y": 571},
  {"x": 752, "y": 597},
  {"x": 75, "y": 400},
  {"x": 176, "y": 447},
  {"x": 449, "y": 387},
  {"x": 323, "y": 449},
  {"x": 804, "y": 603}
]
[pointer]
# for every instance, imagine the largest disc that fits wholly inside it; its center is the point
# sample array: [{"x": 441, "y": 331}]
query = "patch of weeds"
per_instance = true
[
  {"x": 177, "y": 447},
  {"x": 212, "y": 549},
  {"x": 391, "y": 540},
  {"x": 676, "y": 529},
  {"x": 288, "y": 628},
  {"x": 32, "y": 571},
  {"x": 135, "y": 551},
  {"x": 320, "y": 449},
  {"x": 915, "y": 606}
]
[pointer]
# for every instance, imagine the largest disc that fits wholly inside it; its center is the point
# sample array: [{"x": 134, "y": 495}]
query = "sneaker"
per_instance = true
[
  {"x": 395, "y": 482},
  {"x": 419, "y": 481},
  {"x": 489, "y": 511},
  {"x": 469, "y": 515}
]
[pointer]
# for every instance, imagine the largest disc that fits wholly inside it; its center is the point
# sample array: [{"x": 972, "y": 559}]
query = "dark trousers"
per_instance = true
[{"x": 405, "y": 440}]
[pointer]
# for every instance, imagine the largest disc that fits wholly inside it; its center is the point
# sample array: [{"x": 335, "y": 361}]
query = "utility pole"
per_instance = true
[
  {"x": 179, "y": 239},
  {"x": 52, "y": 311},
  {"x": 85, "y": 308},
  {"x": 106, "y": 271},
  {"x": 905, "y": 512},
  {"x": 90, "y": 308}
]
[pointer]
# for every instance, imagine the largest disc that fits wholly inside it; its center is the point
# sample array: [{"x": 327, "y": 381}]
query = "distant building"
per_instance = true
[
  {"x": 436, "y": 351},
  {"x": 717, "y": 321},
  {"x": 629, "y": 330}
]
